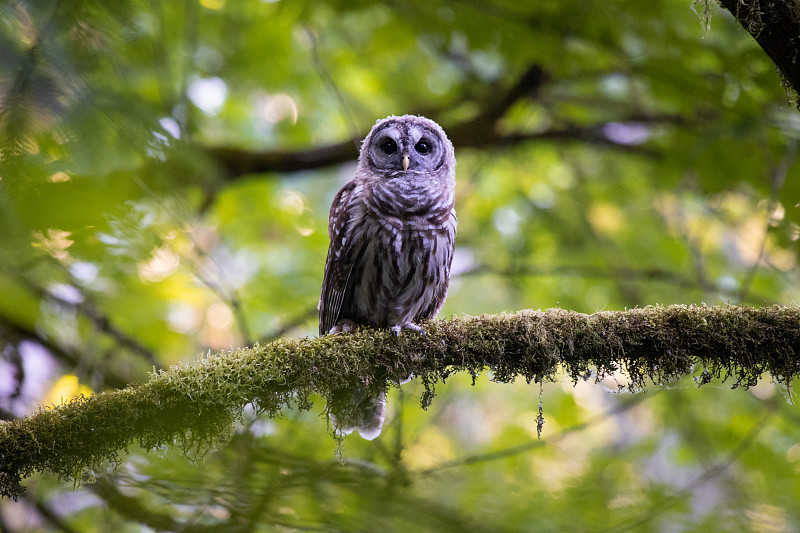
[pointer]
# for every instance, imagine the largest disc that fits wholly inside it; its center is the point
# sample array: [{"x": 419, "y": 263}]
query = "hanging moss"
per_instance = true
[{"x": 197, "y": 405}]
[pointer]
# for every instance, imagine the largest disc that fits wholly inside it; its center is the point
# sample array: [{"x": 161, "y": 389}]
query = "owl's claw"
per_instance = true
[
  {"x": 344, "y": 325},
  {"x": 397, "y": 328}
]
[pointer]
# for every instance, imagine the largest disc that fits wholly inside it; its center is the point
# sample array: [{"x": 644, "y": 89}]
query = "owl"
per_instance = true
[{"x": 392, "y": 231}]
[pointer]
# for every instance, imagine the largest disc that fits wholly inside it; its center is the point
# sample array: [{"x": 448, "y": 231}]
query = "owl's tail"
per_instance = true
[{"x": 366, "y": 417}]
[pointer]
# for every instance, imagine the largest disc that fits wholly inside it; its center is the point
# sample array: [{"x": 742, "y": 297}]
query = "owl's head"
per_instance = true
[{"x": 409, "y": 146}]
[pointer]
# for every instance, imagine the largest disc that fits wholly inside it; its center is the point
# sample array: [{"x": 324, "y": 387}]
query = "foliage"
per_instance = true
[{"x": 165, "y": 174}]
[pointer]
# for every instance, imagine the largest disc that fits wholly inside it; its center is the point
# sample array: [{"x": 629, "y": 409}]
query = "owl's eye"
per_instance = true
[
  {"x": 422, "y": 147},
  {"x": 388, "y": 146}
]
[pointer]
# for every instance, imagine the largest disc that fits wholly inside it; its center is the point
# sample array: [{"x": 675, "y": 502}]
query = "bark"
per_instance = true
[
  {"x": 775, "y": 25},
  {"x": 197, "y": 405}
]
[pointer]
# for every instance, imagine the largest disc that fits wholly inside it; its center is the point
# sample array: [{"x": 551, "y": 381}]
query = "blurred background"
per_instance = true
[{"x": 166, "y": 170}]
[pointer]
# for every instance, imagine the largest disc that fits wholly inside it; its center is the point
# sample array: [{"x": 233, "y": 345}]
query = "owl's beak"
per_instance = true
[{"x": 406, "y": 160}]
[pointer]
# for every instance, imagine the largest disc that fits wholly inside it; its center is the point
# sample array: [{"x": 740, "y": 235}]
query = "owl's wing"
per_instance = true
[{"x": 339, "y": 264}]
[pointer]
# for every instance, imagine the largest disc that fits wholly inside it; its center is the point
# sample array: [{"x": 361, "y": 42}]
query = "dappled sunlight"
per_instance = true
[
  {"x": 184, "y": 318},
  {"x": 217, "y": 332},
  {"x": 430, "y": 449},
  {"x": 606, "y": 218},
  {"x": 162, "y": 264},
  {"x": 54, "y": 242},
  {"x": 208, "y": 94},
  {"x": 567, "y": 461},
  {"x": 63, "y": 390},
  {"x": 274, "y": 108},
  {"x": 60, "y": 177}
]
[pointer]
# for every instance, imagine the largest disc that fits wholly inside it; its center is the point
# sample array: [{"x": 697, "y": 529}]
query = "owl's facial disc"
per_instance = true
[
  {"x": 420, "y": 154},
  {"x": 405, "y": 150}
]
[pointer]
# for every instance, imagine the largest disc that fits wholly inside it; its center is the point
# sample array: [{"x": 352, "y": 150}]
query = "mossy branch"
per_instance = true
[
  {"x": 196, "y": 404},
  {"x": 776, "y": 28}
]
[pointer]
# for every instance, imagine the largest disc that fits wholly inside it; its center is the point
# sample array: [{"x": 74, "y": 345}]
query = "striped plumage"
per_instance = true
[{"x": 392, "y": 231}]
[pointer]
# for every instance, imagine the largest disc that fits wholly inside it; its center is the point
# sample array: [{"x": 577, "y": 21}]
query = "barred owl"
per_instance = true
[{"x": 392, "y": 231}]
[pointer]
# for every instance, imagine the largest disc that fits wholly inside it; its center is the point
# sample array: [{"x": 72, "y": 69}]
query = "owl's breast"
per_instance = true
[
  {"x": 407, "y": 198},
  {"x": 403, "y": 270}
]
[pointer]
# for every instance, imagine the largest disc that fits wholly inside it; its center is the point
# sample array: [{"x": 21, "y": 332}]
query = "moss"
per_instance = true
[
  {"x": 196, "y": 405},
  {"x": 776, "y": 28}
]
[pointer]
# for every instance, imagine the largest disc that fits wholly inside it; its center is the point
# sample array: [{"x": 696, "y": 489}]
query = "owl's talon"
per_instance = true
[
  {"x": 397, "y": 329},
  {"x": 344, "y": 325}
]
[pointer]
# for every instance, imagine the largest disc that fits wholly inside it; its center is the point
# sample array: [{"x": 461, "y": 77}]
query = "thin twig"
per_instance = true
[
  {"x": 333, "y": 87},
  {"x": 538, "y": 443},
  {"x": 292, "y": 323},
  {"x": 101, "y": 321},
  {"x": 228, "y": 295},
  {"x": 778, "y": 174}
]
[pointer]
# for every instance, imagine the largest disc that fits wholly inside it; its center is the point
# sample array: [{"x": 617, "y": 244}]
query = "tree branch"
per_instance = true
[
  {"x": 239, "y": 162},
  {"x": 15, "y": 332},
  {"x": 84, "y": 307},
  {"x": 776, "y": 28},
  {"x": 196, "y": 405},
  {"x": 481, "y": 131}
]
